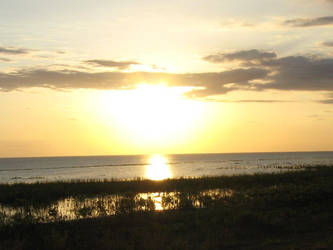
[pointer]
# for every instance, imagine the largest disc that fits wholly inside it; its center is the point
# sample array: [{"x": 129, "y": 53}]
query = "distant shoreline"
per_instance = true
[{"x": 148, "y": 154}]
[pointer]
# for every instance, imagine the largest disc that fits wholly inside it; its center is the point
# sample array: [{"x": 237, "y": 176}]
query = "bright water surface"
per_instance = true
[{"x": 153, "y": 167}]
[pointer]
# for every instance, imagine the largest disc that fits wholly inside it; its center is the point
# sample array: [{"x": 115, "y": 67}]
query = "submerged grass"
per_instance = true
[{"x": 289, "y": 210}]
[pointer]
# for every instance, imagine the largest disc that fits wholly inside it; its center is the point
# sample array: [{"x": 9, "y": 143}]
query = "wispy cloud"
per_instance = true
[
  {"x": 111, "y": 63},
  {"x": 246, "y": 101},
  {"x": 326, "y": 101},
  {"x": 252, "y": 56},
  {"x": 327, "y": 44},
  {"x": 232, "y": 23},
  {"x": 308, "y": 22},
  {"x": 3, "y": 59},
  {"x": 13, "y": 51}
]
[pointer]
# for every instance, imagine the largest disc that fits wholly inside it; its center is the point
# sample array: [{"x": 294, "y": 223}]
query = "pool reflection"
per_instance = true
[
  {"x": 156, "y": 199},
  {"x": 72, "y": 208}
]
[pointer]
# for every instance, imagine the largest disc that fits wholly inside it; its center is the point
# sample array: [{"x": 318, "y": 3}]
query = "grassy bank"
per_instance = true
[{"x": 269, "y": 211}]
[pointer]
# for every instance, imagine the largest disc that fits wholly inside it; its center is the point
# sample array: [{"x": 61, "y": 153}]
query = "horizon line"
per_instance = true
[{"x": 258, "y": 152}]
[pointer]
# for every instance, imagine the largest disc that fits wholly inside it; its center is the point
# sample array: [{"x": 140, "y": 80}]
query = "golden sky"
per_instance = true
[{"x": 157, "y": 77}]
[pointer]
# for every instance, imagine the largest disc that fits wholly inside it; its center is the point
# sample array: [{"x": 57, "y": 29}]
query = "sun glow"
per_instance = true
[
  {"x": 158, "y": 168},
  {"x": 151, "y": 115}
]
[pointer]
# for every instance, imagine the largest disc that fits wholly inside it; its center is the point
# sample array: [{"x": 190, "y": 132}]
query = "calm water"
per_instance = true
[
  {"x": 153, "y": 167},
  {"x": 72, "y": 208}
]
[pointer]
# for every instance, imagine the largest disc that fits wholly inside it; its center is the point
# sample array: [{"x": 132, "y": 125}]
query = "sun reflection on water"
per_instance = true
[{"x": 158, "y": 169}]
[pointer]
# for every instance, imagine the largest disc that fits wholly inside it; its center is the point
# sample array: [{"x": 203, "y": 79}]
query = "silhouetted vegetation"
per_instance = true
[{"x": 290, "y": 210}]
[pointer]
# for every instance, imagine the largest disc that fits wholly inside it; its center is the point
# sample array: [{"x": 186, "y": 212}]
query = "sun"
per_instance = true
[{"x": 151, "y": 114}]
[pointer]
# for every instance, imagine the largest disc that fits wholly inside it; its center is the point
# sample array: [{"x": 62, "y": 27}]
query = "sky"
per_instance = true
[{"x": 146, "y": 77}]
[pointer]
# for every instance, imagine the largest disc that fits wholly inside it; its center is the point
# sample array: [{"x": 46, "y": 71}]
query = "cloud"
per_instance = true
[
  {"x": 61, "y": 79},
  {"x": 247, "y": 57},
  {"x": 308, "y": 22},
  {"x": 300, "y": 73},
  {"x": 226, "y": 81},
  {"x": 232, "y": 23},
  {"x": 212, "y": 83},
  {"x": 327, "y": 101},
  {"x": 111, "y": 64},
  {"x": 327, "y": 44},
  {"x": 270, "y": 72},
  {"x": 13, "y": 51},
  {"x": 5, "y": 59},
  {"x": 246, "y": 101},
  {"x": 286, "y": 73}
]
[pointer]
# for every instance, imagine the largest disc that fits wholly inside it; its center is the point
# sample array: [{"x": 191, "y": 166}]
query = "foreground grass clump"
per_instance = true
[{"x": 289, "y": 210}]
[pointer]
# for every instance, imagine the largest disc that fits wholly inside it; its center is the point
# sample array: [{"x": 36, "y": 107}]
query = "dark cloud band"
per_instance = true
[
  {"x": 259, "y": 71},
  {"x": 121, "y": 80}
]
